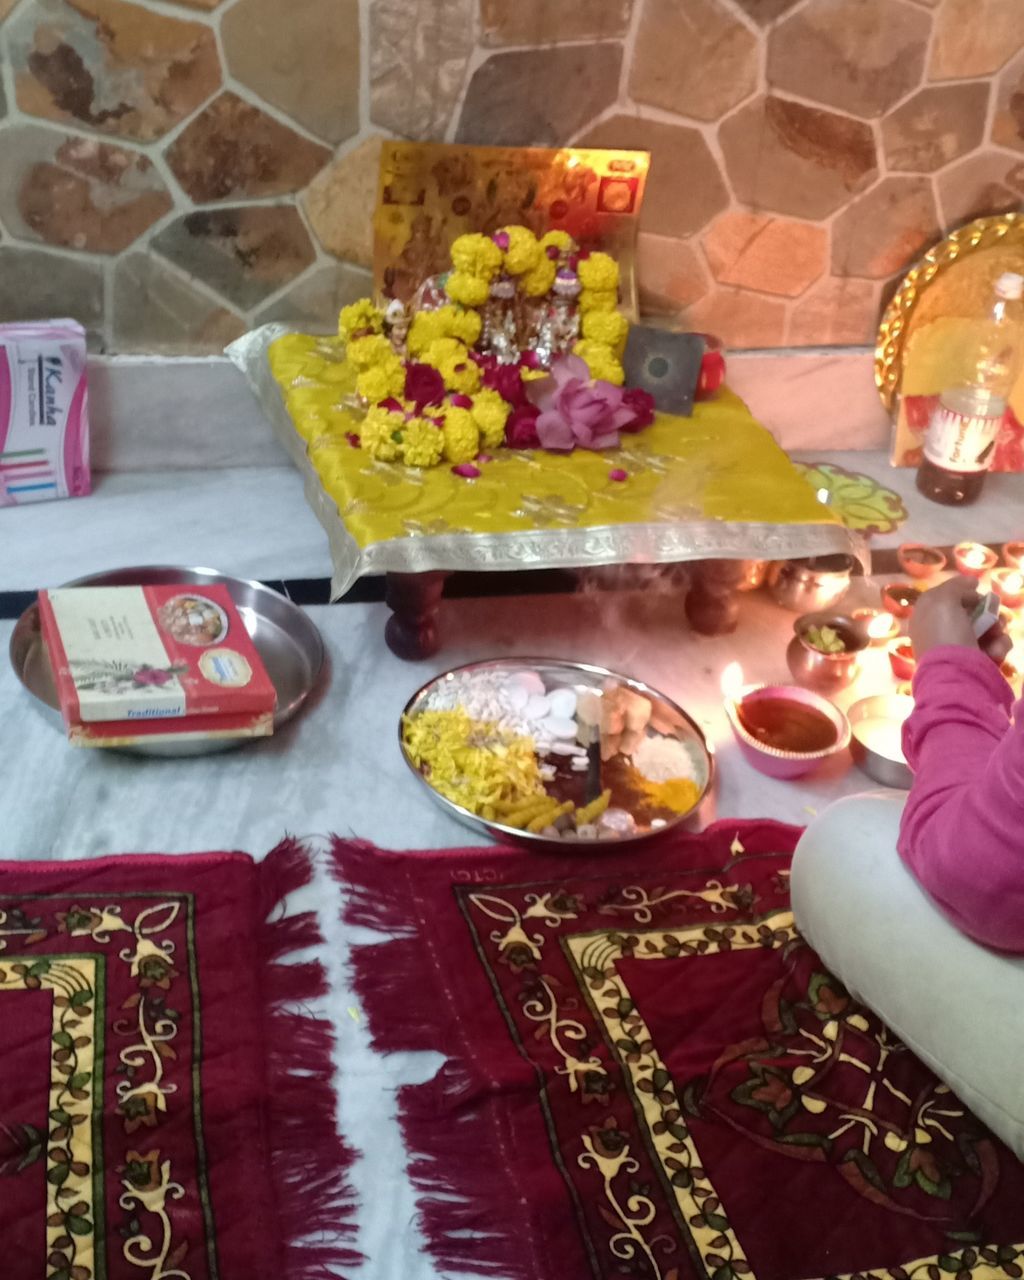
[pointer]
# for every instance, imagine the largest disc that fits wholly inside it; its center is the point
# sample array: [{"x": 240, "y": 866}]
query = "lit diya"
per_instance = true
[
  {"x": 899, "y": 598},
  {"x": 1008, "y": 584},
  {"x": 920, "y": 561},
  {"x": 902, "y": 659},
  {"x": 974, "y": 559},
  {"x": 880, "y": 625},
  {"x": 784, "y": 731}
]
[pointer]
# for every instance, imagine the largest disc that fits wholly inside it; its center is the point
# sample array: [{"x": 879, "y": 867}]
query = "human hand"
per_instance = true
[{"x": 943, "y": 616}]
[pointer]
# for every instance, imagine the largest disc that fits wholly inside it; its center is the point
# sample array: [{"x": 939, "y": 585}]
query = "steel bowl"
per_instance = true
[
  {"x": 889, "y": 767},
  {"x": 285, "y": 638},
  {"x": 579, "y": 676},
  {"x": 812, "y": 583},
  {"x": 774, "y": 761},
  {"x": 826, "y": 672}
]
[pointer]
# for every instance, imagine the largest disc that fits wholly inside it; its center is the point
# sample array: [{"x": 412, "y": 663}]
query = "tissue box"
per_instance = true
[
  {"x": 44, "y": 420},
  {"x": 137, "y": 663}
]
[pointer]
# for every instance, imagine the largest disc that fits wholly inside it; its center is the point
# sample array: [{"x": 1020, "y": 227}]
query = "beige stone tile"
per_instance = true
[
  {"x": 208, "y": 5},
  {"x": 539, "y": 97},
  {"x": 836, "y": 312},
  {"x": 671, "y": 273},
  {"x": 340, "y": 203},
  {"x": 765, "y": 12},
  {"x": 541, "y": 22},
  {"x": 985, "y": 183},
  {"x": 78, "y": 193},
  {"x": 314, "y": 302},
  {"x": 861, "y": 56},
  {"x": 233, "y": 149},
  {"x": 38, "y": 285},
  {"x": 1008, "y": 124},
  {"x": 786, "y": 157},
  {"x": 935, "y": 126},
  {"x": 685, "y": 188},
  {"x": 155, "y": 310},
  {"x": 765, "y": 253},
  {"x": 418, "y": 60},
  {"x": 302, "y": 57},
  {"x": 244, "y": 253},
  {"x": 886, "y": 230},
  {"x": 974, "y": 37},
  {"x": 693, "y": 57},
  {"x": 110, "y": 65},
  {"x": 742, "y": 320}
]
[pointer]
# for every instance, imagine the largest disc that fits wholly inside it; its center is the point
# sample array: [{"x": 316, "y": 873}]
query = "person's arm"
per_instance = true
[{"x": 962, "y": 833}]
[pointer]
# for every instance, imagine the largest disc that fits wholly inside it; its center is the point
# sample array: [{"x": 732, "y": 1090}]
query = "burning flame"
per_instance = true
[
  {"x": 1014, "y": 583},
  {"x": 731, "y": 683},
  {"x": 880, "y": 626},
  {"x": 974, "y": 557}
]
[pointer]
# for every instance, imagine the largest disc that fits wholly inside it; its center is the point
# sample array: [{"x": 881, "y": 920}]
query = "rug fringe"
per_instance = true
[
  {"x": 309, "y": 1161},
  {"x": 450, "y": 1124}
]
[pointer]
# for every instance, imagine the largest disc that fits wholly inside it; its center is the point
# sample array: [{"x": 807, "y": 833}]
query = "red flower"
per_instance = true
[
  {"x": 507, "y": 380},
  {"x": 642, "y": 404},
  {"x": 712, "y": 375},
  {"x": 423, "y": 385},
  {"x": 521, "y": 428}
]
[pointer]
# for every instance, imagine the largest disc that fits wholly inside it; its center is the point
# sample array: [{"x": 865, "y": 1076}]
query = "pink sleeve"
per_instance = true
[{"x": 962, "y": 833}]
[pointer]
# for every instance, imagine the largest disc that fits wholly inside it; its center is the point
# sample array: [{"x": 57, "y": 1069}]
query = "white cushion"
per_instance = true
[{"x": 956, "y": 1004}]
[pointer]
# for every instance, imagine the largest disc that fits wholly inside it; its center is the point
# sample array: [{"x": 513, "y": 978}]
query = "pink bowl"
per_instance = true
[{"x": 773, "y": 761}]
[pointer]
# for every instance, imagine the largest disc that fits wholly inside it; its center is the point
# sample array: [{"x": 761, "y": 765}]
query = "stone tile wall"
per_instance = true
[{"x": 175, "y": 171}]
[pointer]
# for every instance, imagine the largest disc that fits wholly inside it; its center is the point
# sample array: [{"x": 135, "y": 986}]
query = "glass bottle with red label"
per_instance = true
[{"x": 962, "y": 434}]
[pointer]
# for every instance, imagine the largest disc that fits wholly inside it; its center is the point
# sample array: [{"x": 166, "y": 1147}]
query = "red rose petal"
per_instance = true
[
  {"x": 617, "y": 473},
  {"x": 466, "y": 470}
]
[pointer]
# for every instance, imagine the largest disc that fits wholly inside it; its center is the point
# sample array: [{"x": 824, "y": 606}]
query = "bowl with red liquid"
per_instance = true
[{"x": 785, "y": 731}]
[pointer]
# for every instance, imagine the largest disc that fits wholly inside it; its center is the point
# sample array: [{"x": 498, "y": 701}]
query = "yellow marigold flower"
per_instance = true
[
  {"x": 364, "y": 353},
  {"x": 382, "y": 381},
  {"x": 461, "y": 436},
  {"x": 468, "y": 290},
  {"x": 381, "y": 434},
  {"x": 464, "y": 325},
  {"x": 599, "y": 271},
  {"x": 533, "y": 375},
  {"x": 560, "y": 240},
  {"x": 598, "y": 300},
  {"x": 490, "y": 413},
  {"x": 523, "y": 252},
  {"x": 476, "y": 255},
  {"x": 601, "y": 361},
  {"x": 460, "y": 373},
  {"x": 360, "y": 315},
  {"x": 538, "y": 282},
  {"x": 422, "y": 443},
  {"x": 609, "y": 327},
  {"x": 442, "y": 349},
  {"x": 426, "y": 327}
]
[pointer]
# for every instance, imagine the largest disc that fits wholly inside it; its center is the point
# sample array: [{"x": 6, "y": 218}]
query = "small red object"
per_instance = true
[
  {"x": 902, "y": 659},
  {"x": 617, "y": 473}
]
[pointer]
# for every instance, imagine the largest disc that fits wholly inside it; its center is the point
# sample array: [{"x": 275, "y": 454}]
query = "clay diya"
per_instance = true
[
  {"x": 921, "y": 561},
  {"x": 974, "y": 559},
  {"x": 1013, "y": 555},
  {"x": 879, "y": 625},
  {"x": 1008, "y": 584},
  {"x": 785, "y": 731},
  {"x": 902, "y": 659},
  {"x": 899, "y": 598}
]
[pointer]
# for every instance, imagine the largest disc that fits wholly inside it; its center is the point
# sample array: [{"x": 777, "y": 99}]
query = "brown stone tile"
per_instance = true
[
  {"x": 418, "y": 60},
  {"x": 935, "y": 126},
  {"x": 340, "y": 202},
  {"x": 233, "y": 149},
  {"x": 693, "y": 57},
  {"x": 313, "y": 304},
  {"x": 76, "y": 192},
  {"x": 886, "y": 230},
  {"x": 155, "y": 310},
  {"x": 5, "y": 8},
  {"x": 986, "y": 183},
  {"x": 198, "y": 4},
  {"x": 38, "y": 285},
  {"x": 245, "y": 254},
  {"x": 685, "y": 188},
  {"x": 742, "y": 320},
  {"x": 539, "y": 97},
  {"x": 859, "y": 55},
  {"x": 765, "y": 12},
  {"x": 795, "y": 159},
  {"x": 302, "y": 56},
  {"x": 540, "y": 22},
  {"x": 975, "y": 37},
  {"x": 836, "y": 312},
  {"x": 1008, "y": 124},
  {"x": 671, "y": 274},
  {"x": 111, "y": 65},
  {"x": 765, "y": 253}
]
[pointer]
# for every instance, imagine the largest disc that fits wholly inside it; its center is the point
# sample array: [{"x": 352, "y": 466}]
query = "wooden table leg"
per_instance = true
[
  {"x": 414, "y": 599},
  {"x": 712, "y": 604}
]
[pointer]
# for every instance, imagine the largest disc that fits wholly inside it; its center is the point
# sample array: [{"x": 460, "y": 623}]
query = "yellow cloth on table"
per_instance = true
[{"x": 719, "y": 468}]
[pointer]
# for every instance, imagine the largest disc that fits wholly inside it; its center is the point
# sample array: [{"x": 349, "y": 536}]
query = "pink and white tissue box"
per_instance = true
[{"x": 44, "y": 419}]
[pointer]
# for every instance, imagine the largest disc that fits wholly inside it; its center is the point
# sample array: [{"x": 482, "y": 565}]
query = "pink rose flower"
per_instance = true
[
  {"x": 423, "y": 385},
  {"x": 576, "y": 412},
  {"x": 641, "y": 404},
  {"x": 521, "y": 427}
]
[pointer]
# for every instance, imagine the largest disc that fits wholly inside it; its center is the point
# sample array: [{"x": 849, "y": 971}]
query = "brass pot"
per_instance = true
[
  {"x": 814, "y": 583},
  {"x": 826, "y": 672}
]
